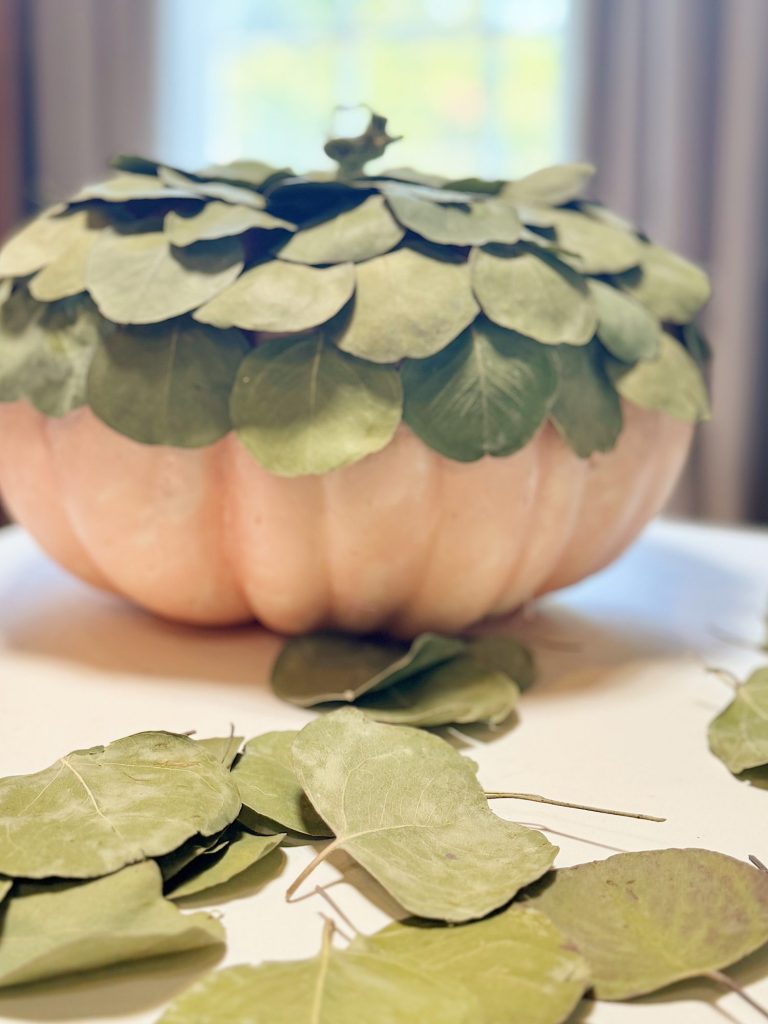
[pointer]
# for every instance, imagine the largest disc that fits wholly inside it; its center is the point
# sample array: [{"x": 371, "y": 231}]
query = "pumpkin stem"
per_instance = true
[
  {"x": 535, "y": 798},
  {"x": 352, "y": 154}
]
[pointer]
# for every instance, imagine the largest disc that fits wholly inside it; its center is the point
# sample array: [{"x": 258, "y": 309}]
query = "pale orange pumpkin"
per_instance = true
[{"x": 404, "y": 540}]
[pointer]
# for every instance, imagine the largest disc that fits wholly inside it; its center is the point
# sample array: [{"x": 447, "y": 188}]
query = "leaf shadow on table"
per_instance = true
[{"x": 110, "y": 992}]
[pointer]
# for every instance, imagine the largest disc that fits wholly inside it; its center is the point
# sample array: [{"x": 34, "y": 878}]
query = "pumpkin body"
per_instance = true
[{"x": 405, "y": 540}]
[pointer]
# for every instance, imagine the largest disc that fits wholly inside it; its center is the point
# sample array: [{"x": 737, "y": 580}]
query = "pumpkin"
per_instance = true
[{"x": 371, "y": 402}]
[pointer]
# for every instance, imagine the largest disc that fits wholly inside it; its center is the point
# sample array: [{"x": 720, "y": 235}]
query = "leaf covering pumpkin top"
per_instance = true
[{"x": 313, "y": 313}]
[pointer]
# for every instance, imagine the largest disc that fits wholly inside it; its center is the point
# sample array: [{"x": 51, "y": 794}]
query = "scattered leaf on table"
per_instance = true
[
  {"x": 123, "y": 917},
  {"x": 279, "y": 297},
  {"x": 166, "y": 384},
  {"x": 332, "y": 988},
  {"x": 301, "y": 406},
  {"x": 218, "y": 220},
  {"x": 407, "y": 304},
  {"x": 324, "y": 667},
  {"x": 671, "y": 383},
  {"x": 505, "y": 654},
  {"x": 552, "y": 185},
  {"x": 358, "y": 234},
  {"x": 587, "y": 409},
  {"x": 669, "y": 286},
  {"x": 41, "y": 241},
  {"x": 486, "y": 394},
  {"x": 142, "y": 279},
  {"x": 628, "y": 330},
  {"x": 592, "y": 246},
  {"x": 269, "y": 788},
  {"x": 96, "y": 810},
  {"x": 224, "y": 748},
  {"x": 646, "y": 920},
  {"x": 475, "y": 223},
  {"x": 516, "y": 963},
  {"x": 409, "y": 809},
  {"x": 739, "y": 734},
  {"x": 535, "y": 295},
  {"x": 241, "y": 852},
  {"x": 456, "y": 692}
]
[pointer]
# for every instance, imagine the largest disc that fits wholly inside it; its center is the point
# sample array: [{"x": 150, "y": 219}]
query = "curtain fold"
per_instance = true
[
  {"x": 12, "y": 139},
  {"x": 674, "y": 111}
]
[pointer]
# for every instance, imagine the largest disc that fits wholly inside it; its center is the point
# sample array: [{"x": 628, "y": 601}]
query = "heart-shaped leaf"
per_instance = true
[
  {"x": 53, "y": 931},
  {"x": 358, "y": 234},
  {"x": 281, "y": 297},
  {"x": 551, "y": 185},
  {"x": 475, "y": 223},
  {"x": 218, "y": 220},
  {"x": 41, "y": 241},
  {"x": 646, "y": 920},
  {"x": 671, "y": 383},
  {"x": 407, "y": 304},
  {"x": 518, "y": 966},
  {"x": 410, "y": 810},
  {"x": 593, "y": 246},
  {"x": 168, "y": 384},
  {"x": 486, "y": 394},
  {"x": 142, "y": 279},
  {"x": 269, "y": 788},
  {"x": 628, "y": 330},
  {"x": 535, "y": 295},
  {"x": 587, "y": 410},
  {"x": 301, "y": 406},
  {"x": 217, "y": 867},
  {"x": 672, "y": 288},
  {"x": 739, "y": 734},
  {"x": 94, "y": 811}
]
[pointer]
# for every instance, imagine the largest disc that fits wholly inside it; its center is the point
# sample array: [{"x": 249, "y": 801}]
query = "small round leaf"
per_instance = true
[
  {"x": 671, "y": 383},
  {"x": 587, "y": 410},
  {"x": 475, "y": 223},
  {"x": 672, "y": 288},
  {"x": 358, "y": 234},
  {"x": 628, "y": 330},
  {"x": 218, "y": 220}
]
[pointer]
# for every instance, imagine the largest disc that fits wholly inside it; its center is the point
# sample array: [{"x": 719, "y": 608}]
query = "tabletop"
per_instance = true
[{"x": 618, "y": 718}]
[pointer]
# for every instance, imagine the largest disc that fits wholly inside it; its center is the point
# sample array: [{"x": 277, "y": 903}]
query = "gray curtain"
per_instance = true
[
  {"x": 674, "y": 111},
  {"x": 12, "y": 136}
]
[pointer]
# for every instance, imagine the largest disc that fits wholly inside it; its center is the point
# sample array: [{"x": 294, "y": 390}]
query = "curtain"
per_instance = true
[
  {"x": 12, "y": 141},
  {"x": 673, "y": 101}
]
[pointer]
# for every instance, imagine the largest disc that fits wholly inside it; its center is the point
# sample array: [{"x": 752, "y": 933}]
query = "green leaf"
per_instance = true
[
  {"x": 486, "y": 394},
  {"x": 587, "y": 410},
  {"x": 269, "y": 788},
  {"x": 739, "y": 734},
  {"x": 457, "y": 692},
  {"x": 646, "y": 920},
  {"x": 410, "y": 810},
  {"x": 141, "y": 279},
  {"x": 41, "y": 241},
  {"x": 177, "y": 861},
  {"x": 301, "y": 406},
  {"x": 407, "y": 304},
  {"x": 96, "y": 810},
  {"x": 592, "y": 246},
  {"x": 218, "y": 220},
  {"x": 517, "y": 964},
  {"x": 358, "y": 234},
  {"x": 551, "y": 185},
  {"x": 281, "y": 297},
  {"x": 507, "y": 655},
  {"x": 475, "y": 223},
  {"x": 214, "y": 868},
  {"x": 46, "y": 352},
  {"x": 65, "y": 275},
  {"x": 626, "y": 328},
  {"x": 227, "y": 192},
  {"x": 123, "y": 188},
  {"x": 323, "y": 667},
  {"x": 535, "y": 295},
  {"x": 671, "y": 383},
  {"x": 224, "y": 748},
  {"x": 58, "y": 931},
  {"x": 332, "y": 988},
  {"x": 673, "y": 289},
  {"x": 168, "y": 384}
]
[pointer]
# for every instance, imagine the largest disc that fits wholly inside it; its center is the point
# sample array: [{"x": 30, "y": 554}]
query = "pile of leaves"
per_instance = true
[{"x": 313, "y": 313}]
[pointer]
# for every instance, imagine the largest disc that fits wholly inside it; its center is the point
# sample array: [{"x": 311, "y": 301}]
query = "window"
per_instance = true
[{"x": 475, "y": 86}]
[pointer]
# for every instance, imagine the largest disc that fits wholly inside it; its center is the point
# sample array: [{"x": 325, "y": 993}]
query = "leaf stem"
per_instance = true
[
  {"x": 758, "y": 863},
  {"x": 320, "y": 891},
  {"x": 322, "y": 855},
  {"x": 725, "y": 676},
  {"x": 722, "y": 979},
  {"x": 535, "y": 798}
]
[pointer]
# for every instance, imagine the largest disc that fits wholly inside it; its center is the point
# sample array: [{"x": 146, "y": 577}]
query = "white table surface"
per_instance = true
[{"x": 618, "y": 718}]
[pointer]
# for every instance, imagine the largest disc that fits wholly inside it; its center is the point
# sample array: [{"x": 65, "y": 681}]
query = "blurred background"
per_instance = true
[{"x": 668, "y": 97}]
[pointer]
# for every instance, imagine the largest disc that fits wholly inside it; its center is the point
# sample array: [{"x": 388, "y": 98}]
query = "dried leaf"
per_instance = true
[
  {"x": 358, "y": 234},
  {"x": 673, "y": 289},
  {"x": 41, "y": 241},
  {"x": 142, "y": 279},
  {"x": 475, "y": 223},
  {"x": 269, "y": 788},
  {"x": 486, "y": 394},
  {"x": 216, "y": 867},
  {"x": 517, "y": 964},
  {"x": 671, "y": 383},
  {"x": 551, "y": 185},
  {"x": 167, "y": 384},
  {"x": 407, "y": 304},
  {"x": 507, "y": 655},
  {"x": 301, "y": 406},
  {"x": 646, "y": 920},
  {"x": 6, "y": 884},
  {"x": 410, "y": 810},
  {"x": 281, "y": 297},
  {"x": 65, "y": 275},
  {"x": 247, "y": 173},
  {"x": 739, "y": 734},
  {"x": 224, "y": 748},
  {"x": 96, "y": 810},
  {"x": 626, "y": 328},
  {"x": 535, "y": 295},
  {"x": 594, "y": 247},
  {"x": 123, "y": 917},
  {"x": 123, "y": 188},
  {"x": 227, "y": 192},
  {"x": 587, "y": 410},
  {"x": 218, "y": 220}
]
